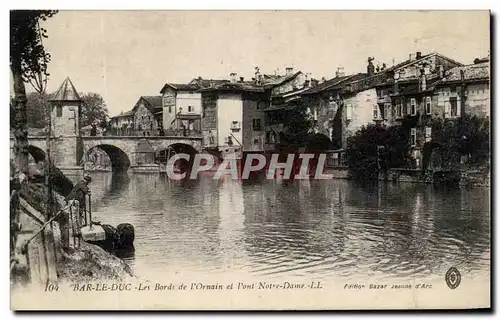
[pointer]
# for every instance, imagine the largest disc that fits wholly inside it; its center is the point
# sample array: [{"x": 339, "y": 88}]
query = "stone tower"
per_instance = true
[{"x": 65, "y": 118}]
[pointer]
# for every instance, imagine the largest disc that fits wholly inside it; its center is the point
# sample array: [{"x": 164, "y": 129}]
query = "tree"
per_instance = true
[
  {"x": 297, "y": 125},
  {"x": 375, "y": 148},
  {"x": 36, "y": 108},
  {"x": 93, "y": 110},
  {"x": 468, "y": 137},
  {"x": 28, "y": 63}
]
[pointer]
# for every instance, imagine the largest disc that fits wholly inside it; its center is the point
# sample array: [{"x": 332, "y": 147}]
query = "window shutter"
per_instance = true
[
  {"x": 447, "y": 108},
  {"x": 458, "y": 106},
  {"x": 428, "y": 134}
]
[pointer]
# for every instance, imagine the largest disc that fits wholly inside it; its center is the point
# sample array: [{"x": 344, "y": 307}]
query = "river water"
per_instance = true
[{"x": 314, "y": 229}]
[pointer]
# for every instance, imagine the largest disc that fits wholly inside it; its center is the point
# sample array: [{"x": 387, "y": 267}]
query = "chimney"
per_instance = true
[
  {"x": 323, "y": 79},
  {"x": 314, "y": 82},
  {"x": 411, "y": 57},
  {"x": 440, "y": 71},
  {"x": 423, "y": 80},
  {"x": 233, "y": 77},
  {"x": 419, "y": 55},
  {"x": 242, "y": 79},
  {"x": 289, "y": 71},
  {"x": 340, "y": 72},
  {"x": 258, "y": 76}
]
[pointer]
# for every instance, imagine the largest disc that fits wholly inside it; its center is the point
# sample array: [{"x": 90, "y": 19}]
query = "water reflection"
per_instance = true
[{"x": 300, "y": 228}]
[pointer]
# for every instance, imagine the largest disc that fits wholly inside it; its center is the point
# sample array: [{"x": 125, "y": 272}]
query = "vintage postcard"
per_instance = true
[{"x": 250, "y": 160}]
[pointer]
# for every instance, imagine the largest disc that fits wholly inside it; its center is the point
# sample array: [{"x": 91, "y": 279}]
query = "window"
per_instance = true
[
  {"x": 399, "y": 109},
  {"x": 413, "y": 137},
  {"x": 235, "y": 125},
  {"x": 375, "y": 112},
  {"x": 428, "y": 105},
  {"x": 190, "y": 109},
  {"x": 348, "y": 111},
  {"x": 59, "y": 111},
  {"x": 413, "y": 106},
  {"x": 256, "y": 124},
  {"x": 453, "y": 107},
  {"x": 387, "y": 110},
  {"x": 169, "y": 109},
  {"x": 428, "y": 134}
]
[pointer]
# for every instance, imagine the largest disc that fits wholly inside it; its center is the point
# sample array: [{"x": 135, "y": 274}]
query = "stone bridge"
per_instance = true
[{"x": 124, "y": 151}]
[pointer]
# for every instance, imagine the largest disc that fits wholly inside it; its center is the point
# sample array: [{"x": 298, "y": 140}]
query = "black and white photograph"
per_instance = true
[{"x": 250, "y": 160}]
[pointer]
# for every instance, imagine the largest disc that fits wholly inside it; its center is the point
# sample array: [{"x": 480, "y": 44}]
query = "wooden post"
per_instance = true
[{"x": 74, "y": 221}]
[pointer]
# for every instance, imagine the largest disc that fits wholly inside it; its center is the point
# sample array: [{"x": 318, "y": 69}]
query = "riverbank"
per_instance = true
[{"x": 85, "y": 263}]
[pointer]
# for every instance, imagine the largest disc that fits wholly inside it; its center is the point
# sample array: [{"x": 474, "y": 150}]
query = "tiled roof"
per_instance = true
[
  {"x": 181, "y": 86},
  {"x": 66, "y": 92},
  {"x": 124, "y": 114},
  {"x": 331, "y": 83},
  {"x": 238, "y": 86},
  {"x": 194, "y": 85},
  {"x": 478, "y": 71},
  {"x": 275, "y": 80},
  {"x": 153, "y": 101}
]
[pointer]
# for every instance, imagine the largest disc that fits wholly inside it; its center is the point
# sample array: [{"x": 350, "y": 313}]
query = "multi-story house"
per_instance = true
[
  {"x": 383, "y": 95},
  {"x": 464, "y": 90},
  {"x": 182, "y": 105},
  {"x": 231, "y": 119},
  {"x": 234, "y": 112},
  {"x": 413, "y": 99}
]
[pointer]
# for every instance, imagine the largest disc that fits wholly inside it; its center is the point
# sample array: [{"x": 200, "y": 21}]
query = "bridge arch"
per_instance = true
[
  {"x": 120, "y": 161},
  {"x": 163, "y": 152}
]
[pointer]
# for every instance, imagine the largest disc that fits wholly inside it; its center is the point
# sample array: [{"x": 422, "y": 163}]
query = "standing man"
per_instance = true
[{"x": 80, "y": 190}]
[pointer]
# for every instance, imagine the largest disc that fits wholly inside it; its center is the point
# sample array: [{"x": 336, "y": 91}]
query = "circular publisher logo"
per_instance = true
[{"x": 453, "y": 278}]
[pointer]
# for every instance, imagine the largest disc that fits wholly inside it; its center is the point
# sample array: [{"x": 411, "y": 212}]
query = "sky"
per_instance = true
[{"x": 123, "y": 55}]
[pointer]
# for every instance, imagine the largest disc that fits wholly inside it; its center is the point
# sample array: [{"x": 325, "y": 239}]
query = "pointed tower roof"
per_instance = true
[{"x": 66, "y": 92}]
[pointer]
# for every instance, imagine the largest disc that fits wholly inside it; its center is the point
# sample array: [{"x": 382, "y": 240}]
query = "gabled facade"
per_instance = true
[
  {"x": 148, "y": 116},
  {"x": 182, "y": 105}
]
